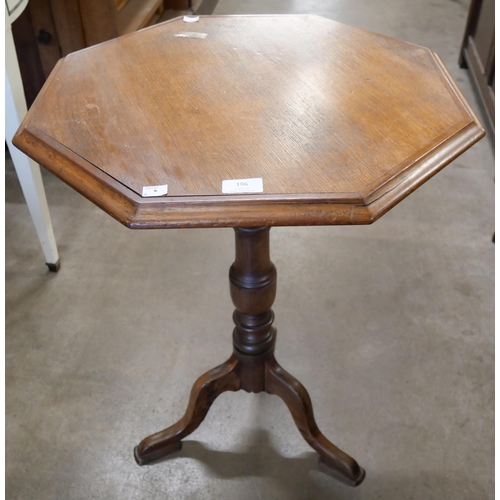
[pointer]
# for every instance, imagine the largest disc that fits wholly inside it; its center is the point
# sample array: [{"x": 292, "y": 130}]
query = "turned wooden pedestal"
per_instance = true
[
  {"x": 252, "y": 366},
  {"x": 308, "y": 121}
]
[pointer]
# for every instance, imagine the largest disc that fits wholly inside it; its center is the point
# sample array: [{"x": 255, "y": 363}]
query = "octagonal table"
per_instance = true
[{"x": 249, "y": 122}]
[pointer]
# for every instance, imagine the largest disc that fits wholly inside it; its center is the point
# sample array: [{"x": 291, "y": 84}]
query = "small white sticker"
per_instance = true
[
  {"x": 154, "y": 190},
  {"x": 243, "y": 186},
  {"x": 191, "y": 34},
  {"x": 191, "y": 19}
]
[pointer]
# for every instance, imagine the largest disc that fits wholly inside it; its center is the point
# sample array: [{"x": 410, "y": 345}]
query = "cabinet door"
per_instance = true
[
  {"x": 45, "y": 32},
  {"x": 28, "y": 56},
  {"x": 99, "y": 20},
  {"x": 478, "y": 52}
]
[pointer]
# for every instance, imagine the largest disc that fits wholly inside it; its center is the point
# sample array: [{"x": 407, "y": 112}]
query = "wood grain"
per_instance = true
[
  {"x": 28, "y": 55},
  {"x": 119, "y": 4},
  {"x": 99, "y": 20},
  {"x": 66, "y": 14},
  {"x": 50, "y": 52},
  {"x": 340, "y": 123},
  {"x": 136, "y": 14},
  {"x": 252, "y": 366}
]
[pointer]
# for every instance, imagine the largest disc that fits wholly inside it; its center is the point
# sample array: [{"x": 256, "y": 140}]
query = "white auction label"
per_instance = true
[
  {"x": 242, "y": 186},
  {"x": 154, "y": 190},
  {"x": 191, "y": 34}
]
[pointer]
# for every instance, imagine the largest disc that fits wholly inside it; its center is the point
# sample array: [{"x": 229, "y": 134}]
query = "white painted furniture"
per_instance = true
[{"x": 27, "y": 170}]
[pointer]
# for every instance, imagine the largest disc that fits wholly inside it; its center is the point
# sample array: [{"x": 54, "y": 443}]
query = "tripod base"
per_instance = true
[
  {"x": 252, "y": 374},
  {"x": 252, "y": 367}
]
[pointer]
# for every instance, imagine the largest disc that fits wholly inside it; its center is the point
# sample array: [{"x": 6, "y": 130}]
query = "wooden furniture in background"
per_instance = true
[
  {"x": 119, "y": 4},
  {"x": 478, "y": 53},
  {"x": 51, "y": 29},
  {"x": 339, "y": 123}
]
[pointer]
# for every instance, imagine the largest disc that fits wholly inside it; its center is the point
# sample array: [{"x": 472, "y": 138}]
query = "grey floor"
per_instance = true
[{"x": 389, "y": 326}]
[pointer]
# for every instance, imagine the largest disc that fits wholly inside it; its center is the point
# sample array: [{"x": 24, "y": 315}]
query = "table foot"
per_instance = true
[
  {"x": 161, "y": 453},
  {"x": 203, "y": 394},
  {"x": 332, "y": 460}
]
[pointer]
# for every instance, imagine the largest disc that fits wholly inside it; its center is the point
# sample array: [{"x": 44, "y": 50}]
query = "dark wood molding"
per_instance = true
[
  {"x": 74, "y": 158},
  {"x": 477, "y": 53}
]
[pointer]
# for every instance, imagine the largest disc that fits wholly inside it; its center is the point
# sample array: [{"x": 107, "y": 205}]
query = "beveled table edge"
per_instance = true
[
  {"x": 447, "y": 140},
  {"x": 252, "y": 210},
  {"x": 233, "y": 211}
]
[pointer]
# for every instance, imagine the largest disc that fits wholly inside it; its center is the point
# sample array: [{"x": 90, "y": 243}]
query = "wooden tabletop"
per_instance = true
[{"x": 339, "y": 123}]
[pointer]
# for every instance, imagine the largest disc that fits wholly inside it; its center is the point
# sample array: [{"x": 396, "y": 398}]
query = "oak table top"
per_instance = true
[{"x": 339, "y": 123}]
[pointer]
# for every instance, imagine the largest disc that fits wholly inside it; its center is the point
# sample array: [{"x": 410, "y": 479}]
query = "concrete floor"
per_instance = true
[{"x": 389, "y": 326}]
